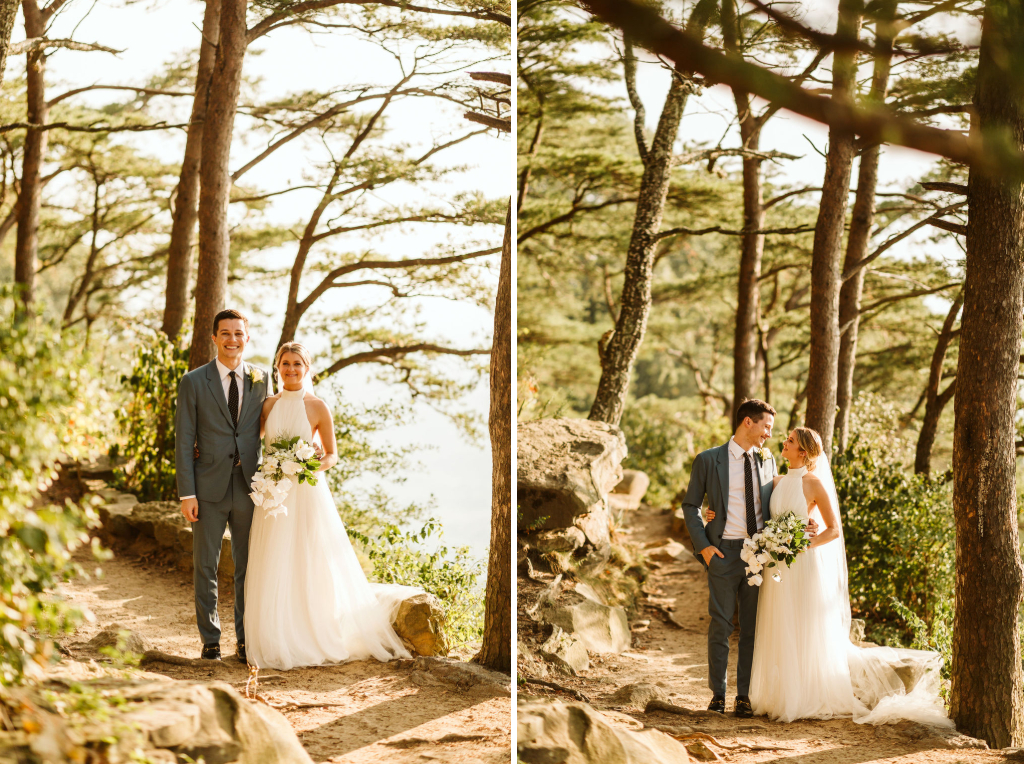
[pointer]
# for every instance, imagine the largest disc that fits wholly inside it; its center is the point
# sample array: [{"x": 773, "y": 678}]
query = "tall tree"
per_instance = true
[
  {"x": 619, "y": 352},
  {"x": 496, "y": 651},
  {"x": 215, "y": 178},
  {"x": 186, "y": 199},
  {"x": 861, "y": 222},
  {"x": 826, "y": 275},
  {"x": 8, "y": 13},
  {"x": 936, "y": 401},
  {"x": 987, "y": 681}
]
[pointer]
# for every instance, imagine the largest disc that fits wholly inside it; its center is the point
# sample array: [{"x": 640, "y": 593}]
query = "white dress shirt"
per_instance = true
[
  {"x": 736, "y": 519},
  {"x": 225, "y": 379}
]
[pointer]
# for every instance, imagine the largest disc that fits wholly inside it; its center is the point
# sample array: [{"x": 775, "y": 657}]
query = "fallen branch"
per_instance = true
[
  {"x": 672, "y": 708},
  {"x": 707, "y": 738},
  {"x": 554, "y": 686},
  {"x": 664, "y": 611}
]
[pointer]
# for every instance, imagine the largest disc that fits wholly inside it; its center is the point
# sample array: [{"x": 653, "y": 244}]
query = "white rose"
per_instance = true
[
  {"x": 755, "y": 580},
  {"x": 291, "y": 468},
  {"x": 304, "y": 452}
]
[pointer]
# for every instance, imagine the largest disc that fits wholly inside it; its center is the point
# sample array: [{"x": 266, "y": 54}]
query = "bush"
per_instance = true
[
  {"x": 451, "y": 575},
  {"x": 899, "y": 540},
  {"x": 48, "y": 406},
  {"x": 663, "y": 441},
  {"x": 147, "y": 420}
]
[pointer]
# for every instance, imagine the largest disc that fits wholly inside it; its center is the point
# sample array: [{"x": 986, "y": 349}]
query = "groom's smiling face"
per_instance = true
[
  {"x": 230, "y": 339},
  {"x": 762, "y": 429}
]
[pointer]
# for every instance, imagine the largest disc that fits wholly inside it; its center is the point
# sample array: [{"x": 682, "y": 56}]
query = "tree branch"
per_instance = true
[
  {"x": 499, "y": 77},
  {"x": 384, "y": 355},
  {"x": 504, "y": 125},
  {"x": 576, "y": 209},
  {"x": 729, "y": 232},
  {"x": 42, "y": 43},
  {"x": 144, "y": 91},
  {"x": 952, "y": 188},
  {"x": 874, "y": 123},
  {"x": 91, "y": 128}
]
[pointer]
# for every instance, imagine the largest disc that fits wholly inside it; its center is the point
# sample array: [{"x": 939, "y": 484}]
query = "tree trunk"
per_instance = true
[
  {"x": 934, "y": 401},
  {"x": 620, "y": 351},
  {"x": 27, "y": 246},
  {"x": 862, "y": 219},
  {"x": 987, "y": 682},
  {"x": 8, "y": 13},
  {"x": 186, "y": 212},
  {"x": 748, "y": 294},
  {"x": 496, "y": 651},
  {"x": 826, "y": 278},
  {"x": 215, "y": 180}
]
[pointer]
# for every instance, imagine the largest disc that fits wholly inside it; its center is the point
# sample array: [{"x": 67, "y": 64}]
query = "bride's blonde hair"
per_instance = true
[
  {"x": 298, "y": 349},
  {"x": 808, "y": 441}
]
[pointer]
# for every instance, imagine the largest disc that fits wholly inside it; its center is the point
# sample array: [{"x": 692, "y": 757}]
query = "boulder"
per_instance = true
[
  {"x": 857, "y": 627},
  {"x": 669, "y": 551},
  {"x": 636, "y": 695},
  {"x": 418, "y": 622},
  {"x": 564, "y": 468},
  {"x": 559, "y": 540},
  {"x": 630, "y": 490},
  {"x": 553, "y": 732},
  {"x": 110, "y": 636},
  {"x": 565, "y": 652},
  {"x": 596, "y": 527},
  {"x": 600, "y": 628}
]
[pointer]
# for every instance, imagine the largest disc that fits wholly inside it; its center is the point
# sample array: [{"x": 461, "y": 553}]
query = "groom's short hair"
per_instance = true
[
  {"x": 753, "y": 408},
  {"x": 227, "y": 314}
]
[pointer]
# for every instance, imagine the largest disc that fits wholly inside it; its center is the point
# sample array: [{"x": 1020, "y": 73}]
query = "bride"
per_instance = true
[
  {"x": 805, "y": 666},
  {"x": 307, "y": 599}
]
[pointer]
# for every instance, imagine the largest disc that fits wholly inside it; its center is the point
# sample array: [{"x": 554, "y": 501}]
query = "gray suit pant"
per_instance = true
[
  {"x": 234, "y": 510},
  {"x": 727, "y": 584}
]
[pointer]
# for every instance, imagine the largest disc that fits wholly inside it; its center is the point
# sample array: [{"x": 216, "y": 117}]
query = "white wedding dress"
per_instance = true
[
  {"x": 805, "y": 666},
  {"x": 307, "y": 600}
]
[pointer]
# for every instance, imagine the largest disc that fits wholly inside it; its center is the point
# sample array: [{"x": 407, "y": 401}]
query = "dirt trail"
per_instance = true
[
  {"x": 675, "y": 658},
  {"x": 383, "y": 712}
]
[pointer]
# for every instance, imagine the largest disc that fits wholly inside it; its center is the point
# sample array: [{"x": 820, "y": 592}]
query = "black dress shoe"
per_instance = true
[
  {"x": 717, "y": 705},
  {"x": 743, "y": 709},
  {"x": 241, "y": 653},
  {"x": 211, "y": 652}
]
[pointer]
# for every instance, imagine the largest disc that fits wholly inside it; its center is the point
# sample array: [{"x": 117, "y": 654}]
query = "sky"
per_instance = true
[{"x": 456, "y": 472}]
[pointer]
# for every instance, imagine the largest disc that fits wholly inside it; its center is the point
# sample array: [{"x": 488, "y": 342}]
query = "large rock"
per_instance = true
[
  {"x": 565, "y": 652},
  {"x": 630, "y": 490},
  {"x": 564, "y": 468},
  {"x": 636, "y": 695},
  {"x": 115, "y": 635},
  {"x": 418, "y": 622},
  {"x": 601, "y": 628},
  {"x": 553, "y": 732},
  {"x": 558, "y": 540}
]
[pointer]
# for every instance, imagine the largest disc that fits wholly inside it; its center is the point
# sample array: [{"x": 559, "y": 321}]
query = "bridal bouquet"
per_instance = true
[
  {"x": 781, "y": 540},
  {"x": 284, "y": 459}
]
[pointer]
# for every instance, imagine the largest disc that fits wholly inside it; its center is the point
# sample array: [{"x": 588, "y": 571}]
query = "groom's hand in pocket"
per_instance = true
[
  {"x": 190, "y": 509},
  {"x": 708, "y": 552}
]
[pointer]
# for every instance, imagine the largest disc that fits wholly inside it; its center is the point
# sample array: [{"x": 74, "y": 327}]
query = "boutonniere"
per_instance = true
[
  {"x": 765, "y": 454},
  {"x": 255, "y": 375}
]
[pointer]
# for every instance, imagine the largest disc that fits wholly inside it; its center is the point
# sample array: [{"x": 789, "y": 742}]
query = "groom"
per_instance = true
[
  {"x": 737, "y": 480},
  {"x": 217, "y": 446}
]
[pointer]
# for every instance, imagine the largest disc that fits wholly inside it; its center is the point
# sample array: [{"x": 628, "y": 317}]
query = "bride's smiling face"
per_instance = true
[
  {"x": 791, "y": 451},
  {"x": 292, "y": 370}
]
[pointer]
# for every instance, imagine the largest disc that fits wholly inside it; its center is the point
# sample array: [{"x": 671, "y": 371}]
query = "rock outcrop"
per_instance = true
[
  {"x": 552, "y": 732},
  {"x": 630, "y": 491},
  {"x": 600, "y": 628}
]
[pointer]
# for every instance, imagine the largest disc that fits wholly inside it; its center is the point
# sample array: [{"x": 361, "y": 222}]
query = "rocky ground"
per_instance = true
[
  {"x": 404, "y": 711},
  {"x": 669, "y": 652}
]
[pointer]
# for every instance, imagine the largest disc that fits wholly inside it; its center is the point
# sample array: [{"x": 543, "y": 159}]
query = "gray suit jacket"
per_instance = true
[
  {"x": 710, "y": 477},
  {"x": 203, "y": 420}
]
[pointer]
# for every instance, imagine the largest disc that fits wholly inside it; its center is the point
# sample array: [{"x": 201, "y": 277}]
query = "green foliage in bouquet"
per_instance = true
[
  {"x": 309, "y": 466},
  {"x": 146, "y": 420},
  {"x": 451, "y": 575},
  {"x": 48, "y": 406},
  {"x": 899, "y": 540}
]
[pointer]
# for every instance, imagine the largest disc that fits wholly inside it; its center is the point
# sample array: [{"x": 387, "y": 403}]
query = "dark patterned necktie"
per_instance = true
[
  {"x": 233, "y": 399},
  {"x": 748, "y": 491}
]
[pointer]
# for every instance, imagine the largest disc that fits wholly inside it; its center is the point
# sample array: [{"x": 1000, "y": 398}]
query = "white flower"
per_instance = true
[
  {"x": 755, "y": 580},
  {"x": 763, "y": 557},
  {"x": 270, "y": 464},
  {"x": 291, "y": 468},
  {"x": 255, "y": 375},
  {"x": 754, "y": 567},
  {"x": 304, "y": 452}
]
